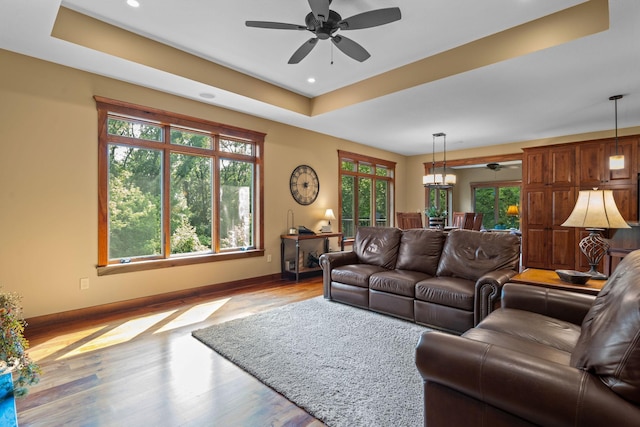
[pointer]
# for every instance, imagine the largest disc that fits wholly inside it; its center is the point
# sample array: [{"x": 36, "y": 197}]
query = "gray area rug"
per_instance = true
[{"x": 344, "y": 365}]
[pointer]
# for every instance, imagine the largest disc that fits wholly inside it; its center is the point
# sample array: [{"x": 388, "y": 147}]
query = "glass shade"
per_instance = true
[
  {"x": 436, "y": 179},
  {"x": 616, "y": 162}
]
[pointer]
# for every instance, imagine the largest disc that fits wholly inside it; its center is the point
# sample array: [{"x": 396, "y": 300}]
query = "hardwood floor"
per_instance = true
[{"x": 143, "y": 367}]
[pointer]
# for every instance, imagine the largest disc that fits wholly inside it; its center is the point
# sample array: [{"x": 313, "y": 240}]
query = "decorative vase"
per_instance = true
[
  {"x": 436, "y": 222},
  {"x": 8, "y": 414}
]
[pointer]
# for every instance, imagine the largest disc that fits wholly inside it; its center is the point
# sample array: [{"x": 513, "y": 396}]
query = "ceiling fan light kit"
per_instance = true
[{"x": 325, "y": 23}]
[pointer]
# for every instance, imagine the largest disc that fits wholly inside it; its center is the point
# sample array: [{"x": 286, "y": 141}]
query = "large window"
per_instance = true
[
  {"x": 441, "y": 198},
  {"x": 493, "y": 199},
  {"x": 366, "y": 192},
  {"x": 175, "y": 188}
]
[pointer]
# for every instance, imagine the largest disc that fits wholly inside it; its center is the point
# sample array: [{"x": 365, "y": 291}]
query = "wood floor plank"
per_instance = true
[{"x": 143, "y": 367}]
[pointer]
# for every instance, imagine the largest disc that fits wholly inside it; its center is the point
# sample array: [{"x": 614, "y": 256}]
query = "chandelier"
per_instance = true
[{"x": 439, "y": 180}]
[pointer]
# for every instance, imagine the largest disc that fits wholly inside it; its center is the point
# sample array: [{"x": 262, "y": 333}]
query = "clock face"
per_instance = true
[{"x": 304, "y": 184}]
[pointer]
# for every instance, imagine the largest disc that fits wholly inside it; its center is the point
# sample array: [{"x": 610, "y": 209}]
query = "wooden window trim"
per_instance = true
[
  {"x": 107, "y": 106},
  {"x": 360, "y": 158}
]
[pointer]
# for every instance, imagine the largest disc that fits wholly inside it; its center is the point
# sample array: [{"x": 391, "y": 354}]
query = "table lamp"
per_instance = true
[
  {"x": 328, "y": 215},
  {"x": 595, "y": 210},
  {"x": 513, "y": 212}
]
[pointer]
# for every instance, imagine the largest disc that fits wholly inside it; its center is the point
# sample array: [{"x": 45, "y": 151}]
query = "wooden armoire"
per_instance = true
[{"x": 552, "y": 176}]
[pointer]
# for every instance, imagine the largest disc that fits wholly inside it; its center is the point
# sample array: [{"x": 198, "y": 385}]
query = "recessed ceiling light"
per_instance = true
[
  {"x": 311, "y": 80},
  {"x": 133, "y": 3},
  {"x": 207, "y": 95}
]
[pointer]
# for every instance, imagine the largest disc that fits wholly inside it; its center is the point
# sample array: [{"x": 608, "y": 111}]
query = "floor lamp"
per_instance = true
[{"x": 595, "y": 210}]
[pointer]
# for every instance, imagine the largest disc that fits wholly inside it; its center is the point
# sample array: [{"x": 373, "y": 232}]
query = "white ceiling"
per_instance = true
[{"x": 558, "y": 91}]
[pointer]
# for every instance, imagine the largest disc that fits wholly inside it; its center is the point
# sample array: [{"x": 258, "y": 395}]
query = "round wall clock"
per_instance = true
[{"x": 304, "y": 184}]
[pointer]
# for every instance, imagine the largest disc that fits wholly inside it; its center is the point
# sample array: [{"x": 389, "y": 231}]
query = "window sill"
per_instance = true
[{"x": 176, "y": 262}]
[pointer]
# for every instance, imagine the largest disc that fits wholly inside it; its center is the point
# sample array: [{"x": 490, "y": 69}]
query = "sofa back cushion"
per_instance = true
[
  {"x": 471, "y": 254},
  {"x": 609, "y": 343},
  {"x": 420, "y": 250},
  {"x": 377, "y": 246}
]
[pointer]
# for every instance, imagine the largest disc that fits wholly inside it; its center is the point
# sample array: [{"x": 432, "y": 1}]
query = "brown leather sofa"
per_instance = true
[
  {"x": 546, "y": 357},
  {"x": 449, "y": 281}
]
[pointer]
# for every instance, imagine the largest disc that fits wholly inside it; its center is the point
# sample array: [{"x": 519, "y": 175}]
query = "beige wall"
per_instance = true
[{"x": 48, "y": 187}]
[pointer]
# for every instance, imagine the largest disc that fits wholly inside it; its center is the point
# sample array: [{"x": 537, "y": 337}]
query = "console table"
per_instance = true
[
  {"x": 549, "y": 279},
  {"x": 295, "y": 267}
]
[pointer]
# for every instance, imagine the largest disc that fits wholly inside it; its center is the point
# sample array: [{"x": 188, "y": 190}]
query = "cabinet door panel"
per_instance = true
[
  {"x": 535, "y": 252},
  {"x": 562, "y": 202},
  {"x": 591, "y": 161},
  {"x": 536, "y": 212},
  {"x": 627, "y": 201},
  {"x": 562, "y": 248},
  {"x": 628, "y": 148},
  {"x": 563, "y": 165},
  {"x": 534, "y": 167}
]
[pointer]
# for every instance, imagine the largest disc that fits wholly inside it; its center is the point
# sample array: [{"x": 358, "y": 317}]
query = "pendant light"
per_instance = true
[
  {"x": 439, "y": 180},
  {"x": 616, "y": 161}
]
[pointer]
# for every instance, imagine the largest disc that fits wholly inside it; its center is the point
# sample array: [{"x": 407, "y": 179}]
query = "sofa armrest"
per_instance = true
[
  {"x": 534, "y": 389},
  {"x": 331, "y": 260},
  {"x": 564, "y": 305},
  {"x": 488, "y": 291}
]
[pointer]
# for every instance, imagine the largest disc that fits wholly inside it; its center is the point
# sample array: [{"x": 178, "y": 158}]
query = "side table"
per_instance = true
[
  {"x": 549, "y": 279},
  {"x": 297, "y": 268}
]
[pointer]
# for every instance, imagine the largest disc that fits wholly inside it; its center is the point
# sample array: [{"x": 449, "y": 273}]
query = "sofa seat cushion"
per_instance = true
[
  {"x": 420, "y": 250},
  {"x": 533, "y": 327},
  {"x": 399, "y": 282},
  {"x": 450, "y": 291},
  {"x": 355, "y": 274},
  {"x": 516, "y": 343}
]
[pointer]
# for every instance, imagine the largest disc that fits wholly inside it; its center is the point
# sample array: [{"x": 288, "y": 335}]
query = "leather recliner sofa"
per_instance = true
[
  {"x": 546, "y": 357},
  {"x": 449, "y": 281}
]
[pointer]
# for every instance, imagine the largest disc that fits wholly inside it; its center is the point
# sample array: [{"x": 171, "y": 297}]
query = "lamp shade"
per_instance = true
[
  {"x": 328, "y": 214},
  {"x": 596, "y": 209},
  {"x": 437, "y": 179},
  {"x": 616, "y": 162},
  {"x": 513, "y": 210}
]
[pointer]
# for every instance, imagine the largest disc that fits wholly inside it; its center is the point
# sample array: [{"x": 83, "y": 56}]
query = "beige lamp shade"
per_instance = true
[
  {"x": 616, "y": 162},
  {"x": 436, "y": 179},
  {"x": 328, "y": 214},
  {"x": 596, "y": 209}
]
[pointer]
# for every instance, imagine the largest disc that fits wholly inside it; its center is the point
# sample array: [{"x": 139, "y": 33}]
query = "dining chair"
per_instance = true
[{"x": 406, "y": 220}]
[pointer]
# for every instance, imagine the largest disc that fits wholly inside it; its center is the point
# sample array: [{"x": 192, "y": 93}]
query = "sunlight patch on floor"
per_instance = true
[
  {"x": 195, "y": 314},
  {"x": 120, "y": 334},
  {"x": 52, "y": 346}
]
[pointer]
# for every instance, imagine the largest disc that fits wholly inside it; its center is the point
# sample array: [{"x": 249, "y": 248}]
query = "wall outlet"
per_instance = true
[
  {"x": 269, "y": 258},
  {"x": 84, "y": 283}
]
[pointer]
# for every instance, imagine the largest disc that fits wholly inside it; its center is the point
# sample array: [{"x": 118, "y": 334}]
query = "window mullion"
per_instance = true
[
  {"x": 166, "y": 193},
  {"x": 215, "y": 214}
]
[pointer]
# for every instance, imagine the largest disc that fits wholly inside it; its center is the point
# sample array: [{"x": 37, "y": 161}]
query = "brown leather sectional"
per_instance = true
[
  {"x": 449, "y": 281},
  {"x": 546, "y": 357}
]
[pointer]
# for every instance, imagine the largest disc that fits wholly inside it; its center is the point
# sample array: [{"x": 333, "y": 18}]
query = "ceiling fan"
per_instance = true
[
  {"x": 324, "y": 23},
  {"x": 497, "y": 166}
]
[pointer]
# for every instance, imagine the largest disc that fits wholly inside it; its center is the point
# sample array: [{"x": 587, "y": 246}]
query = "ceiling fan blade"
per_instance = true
[
  {"x": 372, "y": 18},
  {"x": 274, "y": 25},
  {"x": 320, "y": 9},
  {"x": 351, "y": 48},
  {"x": 303, "y": 51}
]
